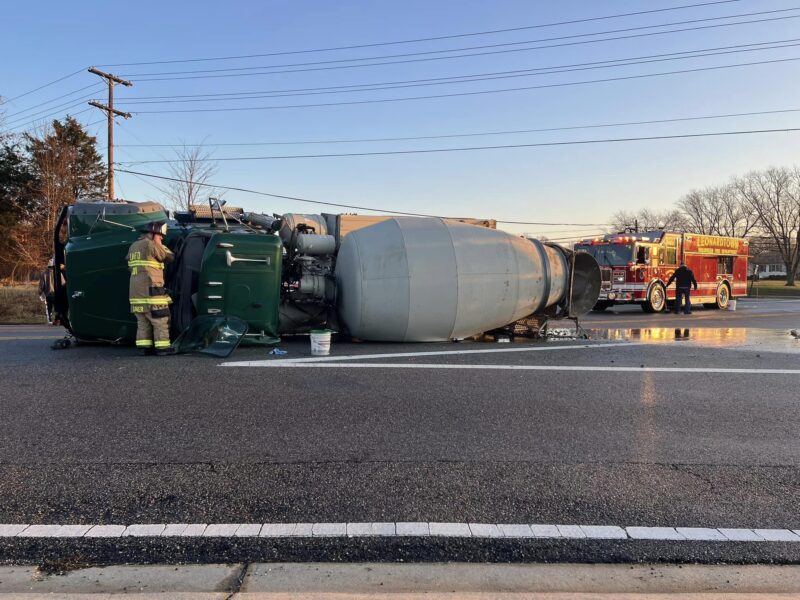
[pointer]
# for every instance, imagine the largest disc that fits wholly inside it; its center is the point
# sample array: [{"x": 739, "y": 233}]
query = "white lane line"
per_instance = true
[
  {"x": 325, "y": 359},
  {"x": 140, "y": 530},
  {"x": 701, "y": 534},
  {"x": 371, "y": 529},
  {"x": 654, "y": 533},
  {"x": 403, "y": 529},
  {"x": 174, "y": 529},
  {"x": 490, "y": 367},
  {"x": 777, "y": 535},
  {"x": 105, "y": 531},
  {"x": 13, "y": 529}
]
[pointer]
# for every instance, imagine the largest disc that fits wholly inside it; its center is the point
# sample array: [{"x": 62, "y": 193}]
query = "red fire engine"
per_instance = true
[{"x": 635, "y": 267}]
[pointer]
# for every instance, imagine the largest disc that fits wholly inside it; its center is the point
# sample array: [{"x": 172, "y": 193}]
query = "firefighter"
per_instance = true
[
  {"x": 148, "y": 296},
  {"x": 684, "y": 280}
]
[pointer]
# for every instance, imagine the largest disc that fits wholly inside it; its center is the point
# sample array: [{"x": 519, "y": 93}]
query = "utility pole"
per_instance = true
[{"x": 111, "y": 112}]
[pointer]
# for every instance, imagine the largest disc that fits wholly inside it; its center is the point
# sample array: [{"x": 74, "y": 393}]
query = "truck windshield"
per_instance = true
[{"x": 609, "y": 254}]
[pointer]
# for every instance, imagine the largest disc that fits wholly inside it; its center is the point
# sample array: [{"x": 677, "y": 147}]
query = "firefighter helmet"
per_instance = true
[{"x": 159, "y": 227}]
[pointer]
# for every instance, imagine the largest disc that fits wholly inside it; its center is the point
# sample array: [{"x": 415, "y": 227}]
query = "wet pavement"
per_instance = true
[{"x": 644, "y": 424}]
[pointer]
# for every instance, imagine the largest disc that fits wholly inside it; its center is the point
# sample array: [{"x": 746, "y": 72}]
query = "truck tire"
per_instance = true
[
  {"x": 601, "y": 306},
  {"x": 723, "y": 298},
  {"x": 656, "y": 299}
]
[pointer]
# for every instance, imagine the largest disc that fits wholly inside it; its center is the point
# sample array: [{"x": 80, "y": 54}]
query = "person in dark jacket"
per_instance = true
[
  {"x": 684, "y": 280},
  {"x": 47, "y": 292}
]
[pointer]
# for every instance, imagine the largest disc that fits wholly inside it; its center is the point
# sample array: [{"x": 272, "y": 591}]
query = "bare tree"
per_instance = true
[
  {"x": 648, "y": 220},
  {"x": 718, "y": 210},
  {"x": 774, "y": 196},
  {"x": 193, "y": 170}
]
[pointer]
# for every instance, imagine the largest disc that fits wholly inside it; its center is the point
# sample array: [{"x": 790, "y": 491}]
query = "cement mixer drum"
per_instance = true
[{"x": 418, "y": 279}]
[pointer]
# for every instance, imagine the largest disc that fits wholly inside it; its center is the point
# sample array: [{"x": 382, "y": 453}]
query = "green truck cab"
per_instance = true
[{"x": 230, "y": 270}]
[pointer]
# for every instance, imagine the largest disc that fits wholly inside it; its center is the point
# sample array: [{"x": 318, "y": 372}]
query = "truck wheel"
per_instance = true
[
  {"x": 601, "y": 306},
  {"x": 723, "y": 298},
  {"x": 656, "y": 299}
]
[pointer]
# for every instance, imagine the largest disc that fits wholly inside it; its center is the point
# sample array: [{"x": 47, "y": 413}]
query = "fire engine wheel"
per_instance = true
[
  {"x": 656, "y": 299},
  {"x": 723, "y": 298},
  {"x": 601, "y": 306}
]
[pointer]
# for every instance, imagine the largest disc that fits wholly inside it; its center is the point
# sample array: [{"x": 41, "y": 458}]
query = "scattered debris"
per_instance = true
[{"x": 278, "y": 352}]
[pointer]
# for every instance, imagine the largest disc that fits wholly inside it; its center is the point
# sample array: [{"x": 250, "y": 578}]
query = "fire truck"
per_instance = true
[{"x": 635, "y": 267}]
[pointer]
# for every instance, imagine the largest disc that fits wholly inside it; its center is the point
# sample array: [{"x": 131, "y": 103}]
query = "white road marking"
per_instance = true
[
  {"x": 450, "y": 529},
  {"x": 141, "y": 530},
  {"x": 329, "y": 530},
  {"x": 413, "y": 529},
  {"x": 13, "y": 529},
  {"x": 277, "y": 529},
  {"x": 403, "y": 529},
  {"x": 490, "y": 367},
  {"x": 302, "y": 530},
  {"x": 740, "y": 535},
  {"x": 604, "y": 532},
  {"x": 248, "y": 530},
  {"x": 654, "y": 533},
  {"x": 701, "y": 534},
  {"x": 571, "y": 531},
  {"x": 221, "y": 530},
  {"x": 777, "y": 535},
  {"x": 370, "y": 529},
  {"x": 194, "y": 530},
  {"x": 486, "y": 530},
  {"x": 326, "y": 359},
  {"x": 174, "y": 530},
  {"x": 545, "y": 531},
  {"x": 106, "y": 531}
]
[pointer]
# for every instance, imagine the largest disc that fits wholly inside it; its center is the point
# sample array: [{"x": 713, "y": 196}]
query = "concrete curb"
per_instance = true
[{"x": 386, "y": 580}]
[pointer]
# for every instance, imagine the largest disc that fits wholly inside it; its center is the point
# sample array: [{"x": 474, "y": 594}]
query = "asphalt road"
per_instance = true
[{"x": 101, "y": 435}]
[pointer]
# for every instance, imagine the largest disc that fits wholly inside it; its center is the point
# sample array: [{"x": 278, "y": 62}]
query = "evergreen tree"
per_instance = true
[
  {"x": 56, "y": 167},
  {"x": 16, "y": 201},
  {"x": 66, "y": 162}
]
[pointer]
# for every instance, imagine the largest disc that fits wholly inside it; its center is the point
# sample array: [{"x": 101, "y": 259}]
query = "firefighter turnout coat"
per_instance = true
[
  {"x": 148, "y": 297},
  {"x": 146, "y": 263}
]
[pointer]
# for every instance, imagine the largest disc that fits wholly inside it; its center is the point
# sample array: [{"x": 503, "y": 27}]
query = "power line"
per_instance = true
[
  {"x": 256, "y": 93},
  {"x": 66, "y": 110},
  {"x": 417, "y": 60},
  {"x": 486, "y": 133},
  {"x": 41, "y": 87},
  {"x": 473, "y": 148},
  {"x": 351, "y": 206},
  {"x": 93, "y": 85},
  {"x": 454, "y": 80},
  {"x": 579, "y": 233},
  {"x": 239, "y": 71},
  {"x": 52, "y": 110},
  {"x": 427, "y": 39},
  {"x": 473, "y": 93}
]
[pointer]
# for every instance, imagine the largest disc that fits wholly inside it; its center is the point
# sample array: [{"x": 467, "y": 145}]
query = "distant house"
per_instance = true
[{"x": 767, "y": 265}]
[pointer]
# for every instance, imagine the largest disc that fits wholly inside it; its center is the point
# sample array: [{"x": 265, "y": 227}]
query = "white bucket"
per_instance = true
[
  {"x": 321, "y": 342},
  {"x": 731, "y": 304}
]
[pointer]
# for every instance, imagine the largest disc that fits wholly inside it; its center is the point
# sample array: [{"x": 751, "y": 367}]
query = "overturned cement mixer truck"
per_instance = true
[{"x": 379, "y": 278}]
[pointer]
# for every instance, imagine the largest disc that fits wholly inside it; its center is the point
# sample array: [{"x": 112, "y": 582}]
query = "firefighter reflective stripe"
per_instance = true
[
  {"x": 145, "y": 263},
  {"x": 162, "y": 344},
  {"x": 151, "y": 301},
  {"x": 144, "y": 343}
]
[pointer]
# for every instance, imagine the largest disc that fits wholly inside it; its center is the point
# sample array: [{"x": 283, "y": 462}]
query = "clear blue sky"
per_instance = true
[{"x": 569, "y": 183}]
